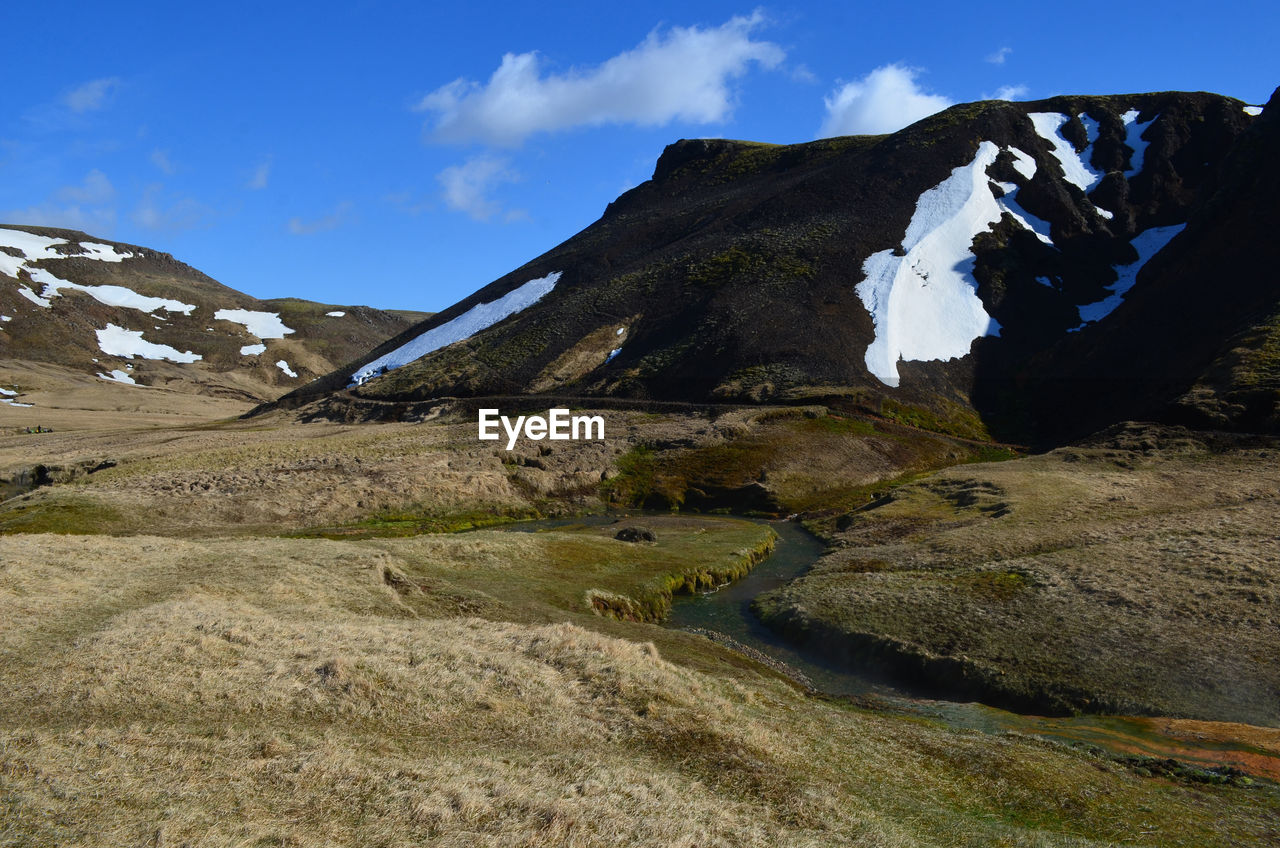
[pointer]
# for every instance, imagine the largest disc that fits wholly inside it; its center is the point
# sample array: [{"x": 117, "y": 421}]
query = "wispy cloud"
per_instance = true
[
  {"x": 339, "y": 216},
  {"x": 885, "y": 100},
  {"x": 260, "y": 177},
  {"x": 87, "y": 206},
  {"x": 681, "y": 74},
  {"x": 1008, "y": 92},
  {"x": 92, "y": 95},
  {"x": 467, "y": 187},
  {"x": 160, "y": 158},
  {"x": 998, "y": 57},
  {"x": 96, "y": 189},
  {"x": 156, "y": 211}
]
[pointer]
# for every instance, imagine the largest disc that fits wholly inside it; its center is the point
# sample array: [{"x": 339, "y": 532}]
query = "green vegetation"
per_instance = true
[
  {"x": 956, "y": 421},
  {"x": 399, "y": 524},
  {"x": 72, "y": 515},
  {"x": 1133, "y": 581}
]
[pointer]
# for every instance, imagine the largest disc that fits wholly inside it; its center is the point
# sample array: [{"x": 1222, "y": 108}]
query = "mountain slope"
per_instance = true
[
  {"x": 912, "y": 274},
  {"x": 134, "y": 315}
]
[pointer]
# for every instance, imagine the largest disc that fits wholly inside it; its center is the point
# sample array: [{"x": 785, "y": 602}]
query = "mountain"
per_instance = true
[
  {"x": 930, "y": 275},
  {"x": 137, "y": 316}
]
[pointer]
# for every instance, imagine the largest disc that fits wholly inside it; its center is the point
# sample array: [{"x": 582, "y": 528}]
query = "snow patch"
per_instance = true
[
  {"x": 1075, "y": 166},
  {"x": 467, "y": 324},
  {"x": 102, "y": 252},
  {"x": 5, "y": 318},
  {"x": 16, "y": 403},
  {"x": 109, "y": 295},
  {"x": 264, "y": 325},
  {"x": 1148, "y": 243},
  {"x": 612, "y": 354},
  {"x": 1255, "y": 111},
  {"x": 334, "y": 314},
  {"x": 621, "y": 330},
  {"x": 924, "y": 304},
  {"x": 32, "y": 296},
  {"x": 8, "y": 393},
  {"x": 284, "y": 366},
  {"x": 117, "y": 341},
  {"x": 253, "y": 350},
  {"x": 1133, "y": 130},
  {"x": 118, "y": 376},
  {"x": 1077, "y": 170},
  {"x": 34, "y": 248},
  {"x": 1024, "y": 163}
]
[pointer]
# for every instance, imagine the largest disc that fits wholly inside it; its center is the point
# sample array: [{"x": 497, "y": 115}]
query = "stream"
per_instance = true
[{"x": 727, "y": 610}]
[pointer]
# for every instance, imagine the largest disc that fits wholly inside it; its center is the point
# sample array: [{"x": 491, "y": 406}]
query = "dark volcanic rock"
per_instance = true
[{"x": 636, "y": 534}]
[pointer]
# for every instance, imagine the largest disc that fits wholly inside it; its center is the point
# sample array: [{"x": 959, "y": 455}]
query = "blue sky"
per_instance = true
[{"x": 404, "y": 154}]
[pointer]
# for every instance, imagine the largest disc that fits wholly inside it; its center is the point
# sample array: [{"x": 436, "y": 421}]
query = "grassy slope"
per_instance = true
[
  {"x": 1137, "y": 577},
  {"x": 456, "y": 690}
]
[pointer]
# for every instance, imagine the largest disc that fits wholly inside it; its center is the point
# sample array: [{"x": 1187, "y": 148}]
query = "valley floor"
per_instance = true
[{"x": 236, "y": 633}]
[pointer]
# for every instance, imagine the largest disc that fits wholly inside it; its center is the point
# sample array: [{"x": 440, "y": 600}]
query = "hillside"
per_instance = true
[
  {"x": 75, "y": 309},
  {"x": 914, "y": 275}
]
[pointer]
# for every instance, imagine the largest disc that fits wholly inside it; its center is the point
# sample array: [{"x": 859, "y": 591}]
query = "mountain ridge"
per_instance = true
[{"x": 734, "y": 274}]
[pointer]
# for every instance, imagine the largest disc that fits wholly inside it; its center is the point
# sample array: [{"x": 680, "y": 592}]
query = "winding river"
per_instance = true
[{"x": 727, "y": 611}]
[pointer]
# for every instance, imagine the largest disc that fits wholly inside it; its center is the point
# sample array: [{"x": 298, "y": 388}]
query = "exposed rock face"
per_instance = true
[{"x": 839, "y": 268}]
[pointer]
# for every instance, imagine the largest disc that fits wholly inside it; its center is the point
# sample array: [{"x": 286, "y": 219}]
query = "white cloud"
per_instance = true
[
  {"x": 885, "y": 100},
  {"x": 466, "y": 187},
  {"x": 1009, "y": 92},
  {"x": 155, "y": 212},
  {"x": 261, "y": 175},
  {"x": 998, "y": 57},
  {"x": 86, "y": 206},
  {"x": 160, "y": 158},
  {"x": 92, "y": 95},
  {"x": 96, "y": 189},
  {"x": 332, "y": 221},
  {"x": 682, "y": 74}
]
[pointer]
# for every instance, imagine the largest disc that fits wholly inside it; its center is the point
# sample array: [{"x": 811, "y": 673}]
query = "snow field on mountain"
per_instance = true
[
  {"x": 117, "y": 341},
  {"x": 924, "y": 304},
  {"x": 108, "y": 295},
  {"x": 1075, "y": 167},
  {"x": 283, "y": 365},
  {"x": 475, "y": 319},
  {"x": 32, "y": 296},
  {"x": 253, "y": 349},
  {"x": 1148, "y": 243},
  {"x": 334, "y": 314},
  {"x": 264, "y": 325},
  {"x": 1133, "y": 130}
]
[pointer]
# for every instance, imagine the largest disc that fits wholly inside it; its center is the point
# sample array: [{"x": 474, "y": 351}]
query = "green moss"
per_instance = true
[
  {"x": 402, "y": 524},
  {"x": 68, "y": 515},
  {"x": 955, "y": 421},
  {"x": 651, "y": 601}
]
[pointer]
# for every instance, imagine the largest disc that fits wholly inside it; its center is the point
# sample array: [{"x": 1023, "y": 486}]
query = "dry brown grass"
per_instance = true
[
  {"x": 1105, "y": 578},
  {"x": 295, "y": 692}
]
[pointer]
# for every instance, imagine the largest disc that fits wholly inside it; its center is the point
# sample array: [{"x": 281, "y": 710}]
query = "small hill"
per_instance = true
[{"x": 72, "y": 305}]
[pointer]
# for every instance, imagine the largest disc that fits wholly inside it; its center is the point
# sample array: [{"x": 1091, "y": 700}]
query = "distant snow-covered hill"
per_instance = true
[{"x": 135, "y": 316}]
